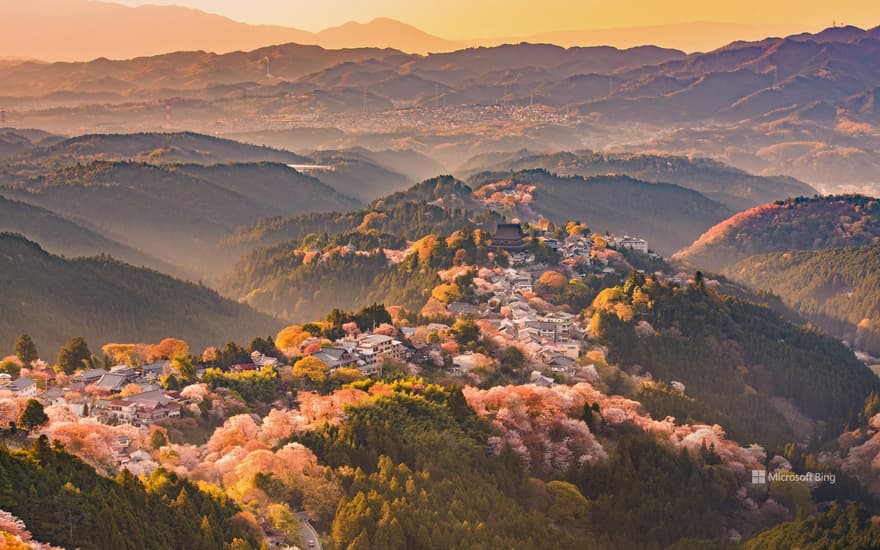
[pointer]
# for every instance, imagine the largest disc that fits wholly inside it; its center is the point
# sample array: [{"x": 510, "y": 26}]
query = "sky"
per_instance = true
[{"x": 462, "y": 19}]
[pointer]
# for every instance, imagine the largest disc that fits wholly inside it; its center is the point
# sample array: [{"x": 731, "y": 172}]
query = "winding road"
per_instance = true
[{"x": 307, "y": 533}]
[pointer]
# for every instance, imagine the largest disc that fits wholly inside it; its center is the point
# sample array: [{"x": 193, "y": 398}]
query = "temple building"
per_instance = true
[{"x": 510, "y": 237}]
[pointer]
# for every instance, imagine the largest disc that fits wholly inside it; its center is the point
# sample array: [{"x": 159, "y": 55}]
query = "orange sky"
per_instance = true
[{"x": 460, "y": 19}]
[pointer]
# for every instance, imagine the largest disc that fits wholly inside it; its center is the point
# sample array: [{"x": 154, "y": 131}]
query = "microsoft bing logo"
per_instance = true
[{"x": 759, "y": 477}]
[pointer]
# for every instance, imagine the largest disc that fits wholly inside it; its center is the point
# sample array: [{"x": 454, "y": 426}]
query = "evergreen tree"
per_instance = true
[
  {"x": 26, "y": 350},
  {"x": 74, "y": 355},
  {"x": 33, "y": 415}
]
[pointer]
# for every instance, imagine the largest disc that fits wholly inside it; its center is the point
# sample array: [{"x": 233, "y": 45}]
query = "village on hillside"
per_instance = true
[{"x": 505, "y": 307}]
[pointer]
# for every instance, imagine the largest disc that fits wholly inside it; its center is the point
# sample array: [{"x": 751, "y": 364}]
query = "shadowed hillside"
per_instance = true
[{"x": 103, "y": 300}]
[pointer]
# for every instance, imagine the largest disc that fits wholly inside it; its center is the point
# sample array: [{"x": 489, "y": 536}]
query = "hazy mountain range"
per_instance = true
[
  {"x": 803, "y": 106},
  {"x": 77, "y": 30}
]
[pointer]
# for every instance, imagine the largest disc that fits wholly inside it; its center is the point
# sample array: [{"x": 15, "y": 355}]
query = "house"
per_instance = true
[
  {"x": 150, "y": 412},
  {"x": 458, "y": 308},
  {"x": 546, "y": 329},
  {"x": 23, "y": 387},
  {"x": 633, "y": 243},
  {"x": 561, "y": 363},
  {"x": 539, "y": 379},
  {"x": 509, "y": 237},
  {"x": 336, "y": 357},
  {"x": 564, "y": 322},
  {"x": 88, "y": 376},
  {"x": 53, "y": 396},
  {"x": 153, "y": 371},
  {"x": 422, "y": 353},
  {"x": 113, "y": 382},
  {"x": 380, "y": 345},
  {"x": 261, "y": 360},
  {"x": 122, "y": 411}
]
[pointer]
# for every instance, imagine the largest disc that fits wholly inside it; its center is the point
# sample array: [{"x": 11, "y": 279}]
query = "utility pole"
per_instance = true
[{"x": 364, "y": 108}]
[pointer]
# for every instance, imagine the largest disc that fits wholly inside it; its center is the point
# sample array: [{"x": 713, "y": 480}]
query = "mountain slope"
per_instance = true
[
  {"x": 667, "y": 215},
  {"x": 61, "y": 236},
  {"x": 174, "y": 212},
  {"x": 730, "y": 186},
  {"x": 61, "y": 487},
  {"x": 357, "y": 175},
  {"x": 155, "y": 148},
  {"x": 773, "y": 380},
  {"x": 837, "y": 289},
  {"x": 73, "y": 30},
  {"x": 795, "y": 224},
  {"x": 54, "y": 299}
]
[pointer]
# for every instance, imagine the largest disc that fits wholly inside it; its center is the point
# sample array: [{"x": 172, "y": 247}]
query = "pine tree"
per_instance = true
[
  {"x": 26, "y": 350},
  {"x": 33, "y": 415}
]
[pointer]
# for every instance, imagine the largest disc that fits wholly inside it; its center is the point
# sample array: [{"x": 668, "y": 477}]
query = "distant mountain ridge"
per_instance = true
[
  {"x": 734, "y": 188},
  {"x": 76, "y": 30},
  {"x": 667, "y": 215}
]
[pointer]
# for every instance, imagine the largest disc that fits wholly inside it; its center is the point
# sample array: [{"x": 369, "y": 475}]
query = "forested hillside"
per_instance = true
[
  {"x": 156, "y": 148},
  {"x": 440, "y": 205},
  {"x": 63, "y": 501},
  {"x": 837, "y": 289},
  {"x": 62, "y": 236},
  {"x": 103, "y": 300},
  {"x": 172, "y": 212},
  {"x": 302, "y": 281},
  {"x": 766, "y": 380},
  {"x": 668, "y": 216},
  {"x": 734, "y": 188},
  {"x": 794, "y": 224}
]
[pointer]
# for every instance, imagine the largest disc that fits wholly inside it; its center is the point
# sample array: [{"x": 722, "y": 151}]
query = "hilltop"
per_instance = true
[
  {"x": 104, "y": 300},
  {"x": 668, "y": 215},
  {"x": 734, "y": 188},
  {"x": 794, "y": 224},
  {"x": 156, "y": 148}
]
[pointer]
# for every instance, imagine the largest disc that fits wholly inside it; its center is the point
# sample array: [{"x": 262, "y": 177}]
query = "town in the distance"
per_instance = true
[{"x": 368, "y": 288}]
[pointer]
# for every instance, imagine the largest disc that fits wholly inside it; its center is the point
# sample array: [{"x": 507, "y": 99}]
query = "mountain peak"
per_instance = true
[{"x": 383, "y": 32}]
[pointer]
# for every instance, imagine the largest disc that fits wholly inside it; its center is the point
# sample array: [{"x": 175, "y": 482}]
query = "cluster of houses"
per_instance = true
[
  {"x": 150, "y": 404},
  {"x": 364, "y": 352},
  {"x": 552, "y": 340}
]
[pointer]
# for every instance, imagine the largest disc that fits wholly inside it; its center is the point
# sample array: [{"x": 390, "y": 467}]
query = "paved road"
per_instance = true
[{"x": 307, "y": 533}]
